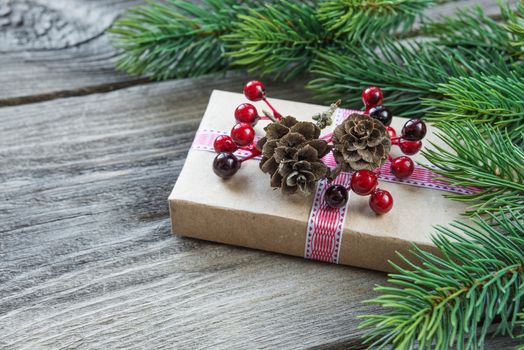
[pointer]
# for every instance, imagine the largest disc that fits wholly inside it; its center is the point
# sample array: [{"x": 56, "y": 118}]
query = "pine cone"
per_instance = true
[
  {"x": 291, "y": 153},
  {"x": 360, "y": 142}
]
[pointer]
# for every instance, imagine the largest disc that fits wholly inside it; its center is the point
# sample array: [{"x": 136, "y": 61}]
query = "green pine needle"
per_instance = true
[
  {"x": 451, "y": 300},
  {"x": 175, "y": 39},
  {"x": 482, "y": 157},
  {"x": 494, "y": 100},
  {"x": 406, "y": 72},
  {"x": 515, "y": 25},
  {"x": 358, "y": 21},
  {"x": 520, "y": 323},
  {"x": 473, "y": 28},
  {"x": 279, "y": 39}
]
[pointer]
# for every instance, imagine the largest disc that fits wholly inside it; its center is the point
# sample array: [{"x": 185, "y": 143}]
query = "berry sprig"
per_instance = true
[
  {"x": 242, "y": 135},
  {"x": 256, "y": 91},
  {"x": 364, "y": 182}
]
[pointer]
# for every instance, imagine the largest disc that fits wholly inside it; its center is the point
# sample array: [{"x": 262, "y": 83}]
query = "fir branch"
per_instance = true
[
  {"x": 515, "y": 25},
  {"x": 452, "y": 299},
  {"x": 174, "y": 39},
  {"x": 496, "y": 100},
  {"x": 472, "y": 28},
  {"x": 482, "y": 157},
  {"x": 405, "y": 72},
  {"x": 358, "y": 21},
  {"x": 520, "y": 323},
  {"x": 278, "y": 39}
]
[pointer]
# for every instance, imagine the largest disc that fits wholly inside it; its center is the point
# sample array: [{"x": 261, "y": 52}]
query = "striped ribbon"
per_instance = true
[{"x": 325, "y": 224}]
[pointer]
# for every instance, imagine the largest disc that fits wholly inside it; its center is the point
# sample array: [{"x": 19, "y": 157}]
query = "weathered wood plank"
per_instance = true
[
  {"x": 58, "y": 48},
  {"x": 54, "y": 49},
  {"x": 87, "y": 259}
]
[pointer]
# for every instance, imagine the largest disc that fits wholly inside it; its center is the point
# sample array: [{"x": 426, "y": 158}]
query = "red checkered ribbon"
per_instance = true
[{"x": 325, "y": 224}]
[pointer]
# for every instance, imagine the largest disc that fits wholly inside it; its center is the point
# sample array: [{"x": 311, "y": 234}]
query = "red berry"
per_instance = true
[
  {"x": 392, "y": 133},
  {"x": 243, "y": 134},
  {"x": 363, "y": 182},
  {"x": 226, "y": 165},
  {"x": 254, "y": 90},
  {"x": 414, "y": 130},
  {"x": 246, "y": 113},
  {"x": 224, "y": 143},
  {"x": 336, "y": 196},
  {"x": 381, "y": 201},
  {"x": 410, "y": 147},
  {"x": 402, "y": 167},
  {"x": 372, "y": 97}
]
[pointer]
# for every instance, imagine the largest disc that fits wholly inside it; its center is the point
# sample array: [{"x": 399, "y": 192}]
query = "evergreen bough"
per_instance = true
[{"x": 452, "y": 300}]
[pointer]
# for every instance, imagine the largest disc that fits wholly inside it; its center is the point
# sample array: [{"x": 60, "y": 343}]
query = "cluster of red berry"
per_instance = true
[
  {"x": 364, "y": 182},
  {"x": 242, "y": 135}
]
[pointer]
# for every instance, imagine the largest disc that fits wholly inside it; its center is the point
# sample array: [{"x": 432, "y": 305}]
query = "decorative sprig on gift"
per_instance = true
[
  {"x": 324, "y": 119},
  {"x": 453, "y": 299},
  {"x": 292, "y": 151}
]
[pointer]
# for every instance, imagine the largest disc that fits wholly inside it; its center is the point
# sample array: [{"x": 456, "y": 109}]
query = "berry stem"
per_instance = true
[
  {"x": 251, "y": 156},
  {"x": 275, "y": 113},
  {"x": 251, "y": 148},
  {"x": 270, "y": 117},
  {"x": 395, "y": 140}
]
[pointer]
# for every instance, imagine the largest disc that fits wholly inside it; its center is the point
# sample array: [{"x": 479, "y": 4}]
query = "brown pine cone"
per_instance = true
[
  {"x": 291, "y": 153},
  {"x": 360, "y": 142}
]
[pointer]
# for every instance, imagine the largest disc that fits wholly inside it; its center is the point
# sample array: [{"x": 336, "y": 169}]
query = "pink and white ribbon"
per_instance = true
[{"x": 326, "y": 224}]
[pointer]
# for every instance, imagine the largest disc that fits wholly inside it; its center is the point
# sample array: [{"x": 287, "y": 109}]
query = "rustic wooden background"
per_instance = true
[{"x": 88, "y": 157}]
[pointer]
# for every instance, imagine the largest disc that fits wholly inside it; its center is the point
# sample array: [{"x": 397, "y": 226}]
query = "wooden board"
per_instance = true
[{"x": 86, "y": 257}]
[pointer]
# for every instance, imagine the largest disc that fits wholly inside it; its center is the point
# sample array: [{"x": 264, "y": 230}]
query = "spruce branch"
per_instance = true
[
  {"x": 451, "y": 300},
  {"x": 174, "y": 39},
  {"x": 515, "y": 25},
  {"x": 278, "y": 39},
  {"x": 472, "y": 28},
  {"x": 520, "y": 322},
  {"x": 483, "y": 157},
  {"x": 494, "y": 100},
  {"x": 358, "y": 21},
  {"x": 406, "y": 71}
]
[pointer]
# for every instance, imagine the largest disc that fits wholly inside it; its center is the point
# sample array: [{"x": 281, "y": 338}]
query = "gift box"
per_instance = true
[{"x": 245, "y": 211}]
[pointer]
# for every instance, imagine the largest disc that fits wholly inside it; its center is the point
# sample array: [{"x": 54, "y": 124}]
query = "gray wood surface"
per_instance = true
[{"x": 86, "y": 257}]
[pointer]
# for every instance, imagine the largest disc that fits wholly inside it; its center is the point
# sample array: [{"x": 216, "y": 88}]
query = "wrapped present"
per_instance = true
[{"x": 245, "y": 211}]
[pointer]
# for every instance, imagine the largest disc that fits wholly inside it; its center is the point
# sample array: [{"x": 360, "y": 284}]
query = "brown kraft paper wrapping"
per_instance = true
[{"x": 246, "y": 211}]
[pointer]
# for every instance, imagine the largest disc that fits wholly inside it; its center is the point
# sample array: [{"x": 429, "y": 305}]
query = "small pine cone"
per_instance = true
[
  {"x": 291, "y": 153},
  {"x": 360, "y": 142}
]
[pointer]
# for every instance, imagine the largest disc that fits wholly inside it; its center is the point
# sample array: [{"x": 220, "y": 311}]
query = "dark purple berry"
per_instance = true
[
  {"x": 226, "y": 165},
  {"x": 414, "y": 130},
  {"x": 382, "y": 114},
  {"x": 336, "y": 196}
]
